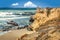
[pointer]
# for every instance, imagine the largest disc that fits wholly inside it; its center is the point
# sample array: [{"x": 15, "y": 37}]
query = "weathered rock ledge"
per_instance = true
[{"x": 46, "y": 24}]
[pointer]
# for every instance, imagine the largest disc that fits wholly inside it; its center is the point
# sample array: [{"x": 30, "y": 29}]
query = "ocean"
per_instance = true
[{"x": 19, "y": 15}]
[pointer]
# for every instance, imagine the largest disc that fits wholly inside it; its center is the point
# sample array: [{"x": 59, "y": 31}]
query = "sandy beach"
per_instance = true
[{"x": 14, "y": 34}]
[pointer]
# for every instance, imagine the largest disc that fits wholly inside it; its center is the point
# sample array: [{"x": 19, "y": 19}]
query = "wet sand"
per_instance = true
[{"x": 14, "y": 34}]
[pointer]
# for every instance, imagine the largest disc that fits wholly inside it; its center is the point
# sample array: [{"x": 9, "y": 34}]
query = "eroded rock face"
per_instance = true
[
  {"x": 44, "y": 16},
  {"x": 50, "y": 33},
  {"x": 47, "y": 26}
]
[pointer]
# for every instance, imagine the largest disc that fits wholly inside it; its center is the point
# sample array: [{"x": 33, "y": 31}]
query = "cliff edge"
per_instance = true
[{"x": 46, "y": 25}]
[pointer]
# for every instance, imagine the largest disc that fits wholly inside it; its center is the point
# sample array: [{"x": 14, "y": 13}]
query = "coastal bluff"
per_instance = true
[
  {"x": 46, "y": 16},
  {"x": 46, "y": 25}
]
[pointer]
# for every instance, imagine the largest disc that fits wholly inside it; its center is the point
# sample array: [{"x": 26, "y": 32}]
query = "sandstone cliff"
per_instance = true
[
  {"x": 50, "y": 33},
  {"x": 46, "y": 24},
  {"x": 44, "y": 16}
]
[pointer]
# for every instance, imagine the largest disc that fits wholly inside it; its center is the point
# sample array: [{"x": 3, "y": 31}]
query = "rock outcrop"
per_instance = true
[
  {"x": 46, "y": 25},
  {"x": 45, "y": 16},
  {"x": 51, "y": 33}
]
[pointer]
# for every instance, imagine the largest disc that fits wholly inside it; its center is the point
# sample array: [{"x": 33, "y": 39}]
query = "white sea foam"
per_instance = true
[
  {"x": 15, "y": 18},
  {"x": 6, "y": 13},
  {"x": 2, "y": 33}
]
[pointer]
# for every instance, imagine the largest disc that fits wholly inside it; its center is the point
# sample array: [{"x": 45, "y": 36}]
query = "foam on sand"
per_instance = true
[
  {"x": 15, "y": 34},
  {"x": 2, "y": 33}
]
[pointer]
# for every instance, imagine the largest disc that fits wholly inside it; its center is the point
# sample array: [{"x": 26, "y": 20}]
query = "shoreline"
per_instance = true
[
  {"x": 15, "y": 34},
  {"x": 4, "y": 32}
]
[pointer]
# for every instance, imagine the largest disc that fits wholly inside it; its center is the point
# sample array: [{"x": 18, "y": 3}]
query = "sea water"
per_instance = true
[{"x": 20, "y": 16}]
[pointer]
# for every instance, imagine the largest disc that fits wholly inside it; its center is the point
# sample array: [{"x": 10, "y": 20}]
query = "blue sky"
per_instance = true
[{"x": 29, "y": 3}]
